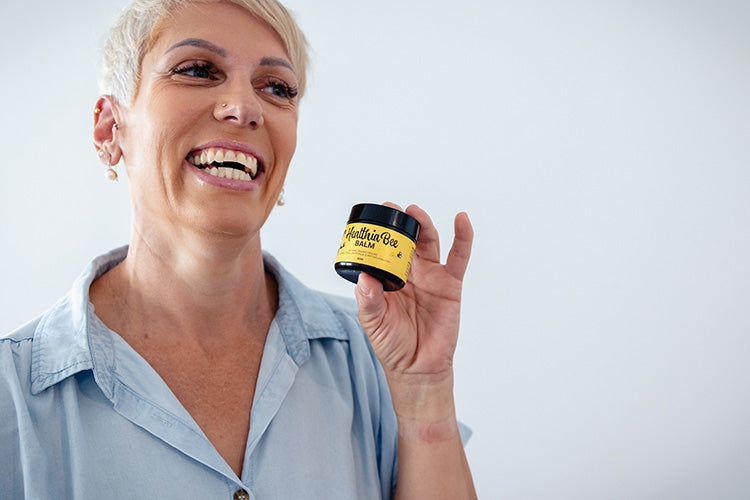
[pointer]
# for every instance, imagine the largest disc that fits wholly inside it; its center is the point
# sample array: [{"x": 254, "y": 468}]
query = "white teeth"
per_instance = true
[
  {"x": 251, "y": 166},
  {"x": 217, "y": 155},
  {"x": 229, "y": 173}
]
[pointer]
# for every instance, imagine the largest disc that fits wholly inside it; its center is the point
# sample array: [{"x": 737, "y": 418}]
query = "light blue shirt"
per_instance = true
[{"x": 83, "y": 416}]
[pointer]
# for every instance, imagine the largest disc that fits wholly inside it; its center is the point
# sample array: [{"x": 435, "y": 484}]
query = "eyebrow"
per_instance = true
[
  {"x": 276, "y": 61},
  {"x": 200, "y": 43}
]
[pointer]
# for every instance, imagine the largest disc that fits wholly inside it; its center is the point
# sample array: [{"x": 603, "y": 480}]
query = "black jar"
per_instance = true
[{"x": 379, "y": 241}]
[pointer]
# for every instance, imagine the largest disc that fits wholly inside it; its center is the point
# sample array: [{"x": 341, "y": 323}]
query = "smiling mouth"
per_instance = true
[{"x": 226, "y": 163}]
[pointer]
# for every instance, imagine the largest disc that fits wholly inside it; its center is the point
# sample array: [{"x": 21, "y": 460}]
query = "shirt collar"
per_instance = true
[
  {"x": 303, "y": 314},
  {"x": 70, "y": 339}
]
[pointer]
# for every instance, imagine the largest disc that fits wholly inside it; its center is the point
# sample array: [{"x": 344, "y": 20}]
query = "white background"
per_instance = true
[{"x": 601, "y": 150}]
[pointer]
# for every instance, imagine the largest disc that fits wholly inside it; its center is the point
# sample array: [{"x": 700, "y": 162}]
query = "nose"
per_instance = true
[{"x": 240, "y": 105}]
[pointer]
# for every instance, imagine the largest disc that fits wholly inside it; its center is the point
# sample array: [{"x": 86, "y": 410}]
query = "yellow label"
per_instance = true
[{"x": 377, "y": 246}]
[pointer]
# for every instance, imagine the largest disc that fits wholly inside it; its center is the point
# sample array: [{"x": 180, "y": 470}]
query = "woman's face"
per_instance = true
[{"x": 208, "y": 139}]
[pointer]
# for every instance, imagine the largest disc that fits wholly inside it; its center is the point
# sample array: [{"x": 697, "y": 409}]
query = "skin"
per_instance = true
[{"x": 193, "y": 292}]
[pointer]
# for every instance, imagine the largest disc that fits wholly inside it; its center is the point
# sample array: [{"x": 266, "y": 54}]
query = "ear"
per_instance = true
[{"x": 106, "y": 120}]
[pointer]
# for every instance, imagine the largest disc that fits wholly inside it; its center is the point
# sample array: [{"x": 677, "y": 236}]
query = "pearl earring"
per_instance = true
[
  {"x": 110, "y": 173},
  {"x": 281, "y": 201}
]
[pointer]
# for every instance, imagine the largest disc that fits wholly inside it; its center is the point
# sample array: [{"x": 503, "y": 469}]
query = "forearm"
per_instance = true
[{"x": 431, "y": 459}]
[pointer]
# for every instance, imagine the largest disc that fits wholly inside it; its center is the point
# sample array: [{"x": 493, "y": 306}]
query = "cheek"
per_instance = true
[
  {"x": 286, "y": 145},
  {"x": 286, "y": 138},
  {"x": 156, "y": 141}
]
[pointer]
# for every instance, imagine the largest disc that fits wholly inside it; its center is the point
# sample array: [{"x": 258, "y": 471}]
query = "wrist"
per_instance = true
[
  {"x": 424, "y": 407},
  {"x": 422, "y": 432}
]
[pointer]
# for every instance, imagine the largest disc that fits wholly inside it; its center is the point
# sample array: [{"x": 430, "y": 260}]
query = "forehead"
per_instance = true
[{"x": 229, "y": 26}]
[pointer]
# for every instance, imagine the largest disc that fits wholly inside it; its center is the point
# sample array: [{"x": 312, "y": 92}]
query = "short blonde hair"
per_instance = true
[{"x": 134, "y": 33}]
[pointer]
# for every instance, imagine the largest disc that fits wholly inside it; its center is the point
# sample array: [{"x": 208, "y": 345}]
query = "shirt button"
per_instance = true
[{"x": 241, "y": 495}]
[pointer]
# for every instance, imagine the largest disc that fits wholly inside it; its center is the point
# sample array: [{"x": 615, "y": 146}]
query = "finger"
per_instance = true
[
  {"x": 371, "y": 302},
  {"x": 458, "y": 257},
  {"x": 428, "y": 241},
  {"x": 393, "y": 205}
]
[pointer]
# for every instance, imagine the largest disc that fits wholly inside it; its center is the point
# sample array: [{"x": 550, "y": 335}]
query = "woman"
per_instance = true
[{"x": 226, "y": 378}]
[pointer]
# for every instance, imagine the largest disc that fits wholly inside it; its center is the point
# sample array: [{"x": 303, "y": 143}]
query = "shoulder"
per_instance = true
[
  {"x": 15, "y": 347},
  {"x": 15, "y": 369},
  {"x": 306, "y": 315},
  {"x": 54, "y": 345},
  {"x": 341, "y": 315},
  {"x": 345, "y": 311},
  {"x": 314, "y": 313}
]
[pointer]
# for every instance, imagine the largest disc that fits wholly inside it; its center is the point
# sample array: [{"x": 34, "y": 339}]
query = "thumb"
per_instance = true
[{"x": 371, "y": 302}]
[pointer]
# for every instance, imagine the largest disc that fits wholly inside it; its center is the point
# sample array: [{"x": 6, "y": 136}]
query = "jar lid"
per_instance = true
[{"x": 385, "y": 215}]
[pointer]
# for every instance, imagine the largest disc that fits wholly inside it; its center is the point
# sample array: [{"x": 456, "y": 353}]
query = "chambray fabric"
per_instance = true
[{"x": 83, "y": 416}]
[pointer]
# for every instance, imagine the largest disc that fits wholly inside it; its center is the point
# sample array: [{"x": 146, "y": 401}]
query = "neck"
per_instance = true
[{"x": 208, "y": 288}]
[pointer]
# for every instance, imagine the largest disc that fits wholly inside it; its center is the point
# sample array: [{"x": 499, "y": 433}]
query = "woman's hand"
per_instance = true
[{"x": 414, "y": 331}]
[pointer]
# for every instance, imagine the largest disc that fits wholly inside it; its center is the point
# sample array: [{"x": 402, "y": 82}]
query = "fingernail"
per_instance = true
[{"x": 363, "y": 289}]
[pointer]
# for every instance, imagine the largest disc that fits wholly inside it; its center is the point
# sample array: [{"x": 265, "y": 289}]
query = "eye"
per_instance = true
[
  {"x": 197, "y": 69},
  {"x": 280, "y": 89}
]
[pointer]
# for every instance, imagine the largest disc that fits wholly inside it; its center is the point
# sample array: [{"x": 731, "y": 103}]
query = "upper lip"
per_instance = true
[{"x": 234, "y": 146}]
